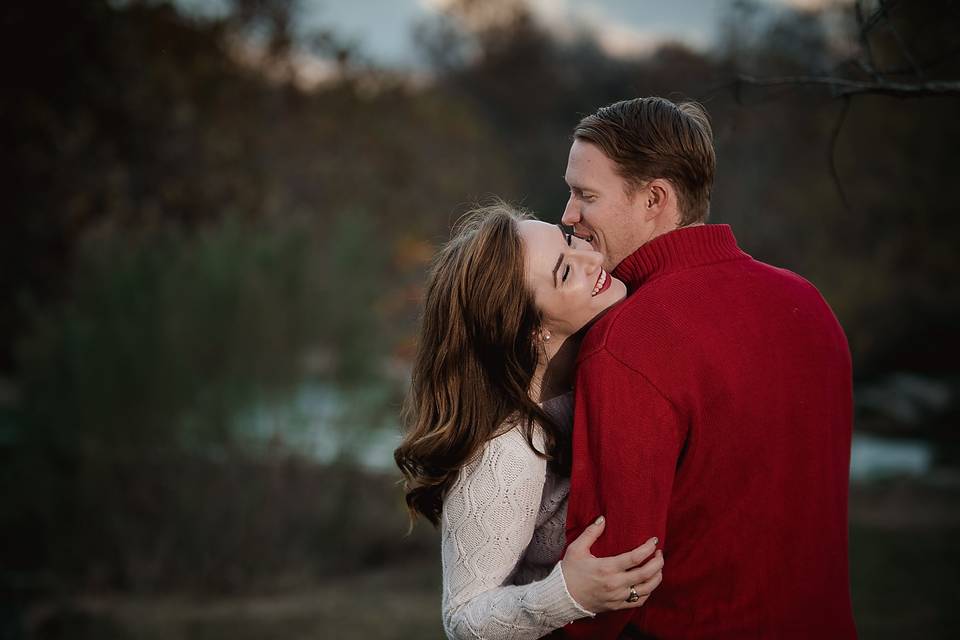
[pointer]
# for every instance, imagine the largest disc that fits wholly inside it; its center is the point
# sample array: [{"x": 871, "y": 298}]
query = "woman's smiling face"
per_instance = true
[{"x": 567, "y": 278}]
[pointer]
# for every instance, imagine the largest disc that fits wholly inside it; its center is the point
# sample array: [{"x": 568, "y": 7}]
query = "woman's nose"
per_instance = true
[
  {"x": 591, "y": 260},
  {"x": 597, "y": 258}
]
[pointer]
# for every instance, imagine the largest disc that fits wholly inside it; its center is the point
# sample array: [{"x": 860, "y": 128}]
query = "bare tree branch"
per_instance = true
[
  {"x": 878, "y": 16},
  {"x": 846, "y": 87},
  {"x": 868, "y": 65},
  {"x": 832, "y": 154},
  {"x": 879, "y": 83},
  {"x": 901, "y": 43}
]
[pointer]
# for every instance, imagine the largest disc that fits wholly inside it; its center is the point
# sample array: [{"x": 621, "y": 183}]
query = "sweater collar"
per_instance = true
[{"x": 679, "y": 249}]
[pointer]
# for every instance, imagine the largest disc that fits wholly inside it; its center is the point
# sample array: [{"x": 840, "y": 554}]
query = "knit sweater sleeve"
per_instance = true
[
  {"x": 489, "y": 515},
  {"x": 626, "y": 443}
]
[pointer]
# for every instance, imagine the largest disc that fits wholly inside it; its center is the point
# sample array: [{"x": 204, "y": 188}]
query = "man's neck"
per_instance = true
[
  {"x": 662, "y": 230},
  {"x": 680, "y": 249},
  {"x": 657, "y": 231}
]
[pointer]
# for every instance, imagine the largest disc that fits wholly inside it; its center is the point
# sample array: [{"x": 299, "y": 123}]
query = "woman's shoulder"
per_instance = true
[
  {"x": 511, "y": 437},
  {"x": 504, "y": 460},
  {"x": 507, "y": 448}
]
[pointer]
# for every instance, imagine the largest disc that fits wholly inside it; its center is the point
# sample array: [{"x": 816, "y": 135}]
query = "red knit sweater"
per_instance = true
[{"x": 714, "y": 410}]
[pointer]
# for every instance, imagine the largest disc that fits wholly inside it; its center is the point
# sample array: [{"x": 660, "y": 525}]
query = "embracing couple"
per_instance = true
[{"x": 632, "y": 429}]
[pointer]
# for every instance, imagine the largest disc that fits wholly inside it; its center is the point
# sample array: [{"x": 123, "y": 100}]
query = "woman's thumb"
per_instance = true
[{"x": 586, "y": 539}]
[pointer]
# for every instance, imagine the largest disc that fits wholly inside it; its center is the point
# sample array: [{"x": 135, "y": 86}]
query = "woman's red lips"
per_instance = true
[{"x": 606, "y": 282}]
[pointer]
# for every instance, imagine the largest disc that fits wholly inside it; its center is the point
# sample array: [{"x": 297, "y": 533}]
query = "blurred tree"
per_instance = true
[
  {"x": 186, "y": 227},
  {"x": 533, "y": 87},
  {"x": 193, "y": 227},
  {"x": 136, "y": 118}
]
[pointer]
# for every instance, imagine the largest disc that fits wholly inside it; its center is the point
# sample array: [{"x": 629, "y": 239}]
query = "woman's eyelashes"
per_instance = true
[{"x": 566, "y": 268}]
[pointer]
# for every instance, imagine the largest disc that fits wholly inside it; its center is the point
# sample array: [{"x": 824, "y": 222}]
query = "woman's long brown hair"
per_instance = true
[{"x": 476, "y": 357}]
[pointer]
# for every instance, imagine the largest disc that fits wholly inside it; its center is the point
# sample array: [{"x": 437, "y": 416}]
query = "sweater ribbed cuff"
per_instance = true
[{"x": 557, "y": 603}]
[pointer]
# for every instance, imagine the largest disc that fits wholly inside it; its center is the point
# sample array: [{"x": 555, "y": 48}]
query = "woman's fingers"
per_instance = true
[
  {"x": 643, "y": 580},
  {"x": 645, "y": 571},
  {"x": 643, "y": 590},
  {"x": 586, "y": 539},
  {"x": 646, "y": 587},
  {"x": 635, "y": 557}
]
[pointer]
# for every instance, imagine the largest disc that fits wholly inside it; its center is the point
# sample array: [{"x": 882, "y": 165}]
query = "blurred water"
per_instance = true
[
  {"x": 906, "y": 398},
  {"x": 873, "y": 457},
  {"x": 323, "y": 422}
]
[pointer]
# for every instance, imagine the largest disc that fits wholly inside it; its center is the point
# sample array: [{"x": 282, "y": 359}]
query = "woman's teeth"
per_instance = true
[{"x": 600, "y": 281}]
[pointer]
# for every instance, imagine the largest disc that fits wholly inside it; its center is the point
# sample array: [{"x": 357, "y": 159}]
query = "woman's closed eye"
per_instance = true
[{"x": 568, "y": 238}]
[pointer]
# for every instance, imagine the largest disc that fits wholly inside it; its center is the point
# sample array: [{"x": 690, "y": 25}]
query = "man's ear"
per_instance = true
[{"x": 657, "y": 197}]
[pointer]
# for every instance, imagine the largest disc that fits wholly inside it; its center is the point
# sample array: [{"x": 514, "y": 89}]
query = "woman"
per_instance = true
[{"x": 486, "y": 453}]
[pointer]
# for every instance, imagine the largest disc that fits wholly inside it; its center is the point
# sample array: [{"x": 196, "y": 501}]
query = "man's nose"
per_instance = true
[{"x": 570, "y": 214}]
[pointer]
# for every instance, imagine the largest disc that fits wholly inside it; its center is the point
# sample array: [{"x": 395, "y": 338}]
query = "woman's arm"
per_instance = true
[{"x": 488, "y": 520}]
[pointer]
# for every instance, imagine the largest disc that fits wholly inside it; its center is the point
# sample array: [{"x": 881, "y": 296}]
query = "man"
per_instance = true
[{"x": 713, "y": 406}]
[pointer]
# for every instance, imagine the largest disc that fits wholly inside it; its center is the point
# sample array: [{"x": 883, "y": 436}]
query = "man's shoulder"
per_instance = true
[
  {"x": 657, "y": 315},
  {"x": 784, "y": 275},
  {"x": 639, "y": 318},
  {"x": 789, "y": 283}
]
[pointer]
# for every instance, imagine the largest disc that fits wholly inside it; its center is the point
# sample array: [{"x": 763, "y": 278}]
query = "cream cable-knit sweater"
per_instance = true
[{"x": 502, "y": 537}]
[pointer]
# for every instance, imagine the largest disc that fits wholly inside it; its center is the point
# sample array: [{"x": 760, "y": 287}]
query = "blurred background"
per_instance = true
[{"x": 217, "y": 223}]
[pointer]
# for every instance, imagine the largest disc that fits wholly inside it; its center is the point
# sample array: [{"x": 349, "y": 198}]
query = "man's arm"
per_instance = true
[{"x": 626, "y": 442}]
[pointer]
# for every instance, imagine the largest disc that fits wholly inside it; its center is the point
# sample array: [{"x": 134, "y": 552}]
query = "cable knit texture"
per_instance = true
[{"x": 502, "y": 532}]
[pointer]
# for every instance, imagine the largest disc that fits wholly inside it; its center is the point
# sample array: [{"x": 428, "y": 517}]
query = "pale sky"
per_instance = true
[{"x": 382, "y": 28}]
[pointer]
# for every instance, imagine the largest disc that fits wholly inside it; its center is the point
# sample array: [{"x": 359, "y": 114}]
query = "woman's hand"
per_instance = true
[{"x": 604, "y": 584}]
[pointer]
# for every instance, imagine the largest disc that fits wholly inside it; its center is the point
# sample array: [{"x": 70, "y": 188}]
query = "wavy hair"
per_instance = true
[{"x": 476, "y": 357}]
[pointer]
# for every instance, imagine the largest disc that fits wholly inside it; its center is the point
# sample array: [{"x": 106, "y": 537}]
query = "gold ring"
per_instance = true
[{"x": 634, "y": 596}]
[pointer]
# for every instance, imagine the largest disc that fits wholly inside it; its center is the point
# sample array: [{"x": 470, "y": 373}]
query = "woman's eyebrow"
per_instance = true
[{"x": 556, "y": 268}]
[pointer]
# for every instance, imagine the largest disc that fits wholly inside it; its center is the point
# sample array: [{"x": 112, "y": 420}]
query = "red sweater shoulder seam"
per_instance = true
[{"x": 603, "y": 349}]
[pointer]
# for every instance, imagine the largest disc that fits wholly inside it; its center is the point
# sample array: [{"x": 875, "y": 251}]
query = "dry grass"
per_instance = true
[{"x": 392, "y": 603}]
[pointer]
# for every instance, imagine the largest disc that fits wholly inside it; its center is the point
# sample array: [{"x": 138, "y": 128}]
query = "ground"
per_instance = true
[{"x": 905, "y": 578}]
